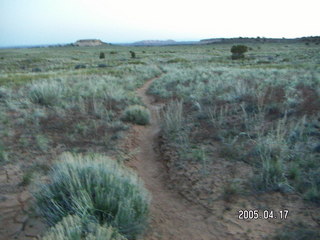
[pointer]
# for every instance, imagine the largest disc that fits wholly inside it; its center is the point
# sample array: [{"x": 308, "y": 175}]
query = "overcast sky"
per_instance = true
[{"x": 29, "y": 22}]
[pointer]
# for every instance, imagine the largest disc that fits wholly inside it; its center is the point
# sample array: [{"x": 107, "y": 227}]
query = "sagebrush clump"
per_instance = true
[
  {"x": 73, "y": 227},
  {"x": 133, "y": 54},
  {"x": 46, "y": 93},
  {"x": 3, "y": 154},
  {"x": 238, "y": 51},
  {"x": 173, "y": 119},
  {"x": 98, "y": 188},
  {"x": 102, "y": 55},
  {"x": 137, "y": 114}
]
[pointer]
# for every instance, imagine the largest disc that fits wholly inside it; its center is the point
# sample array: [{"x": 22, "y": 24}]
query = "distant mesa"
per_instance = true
[
  {"x": 154, "y": 42},
  {"x": 311, "y": 39},
  {"x": 89, "y": 43}
]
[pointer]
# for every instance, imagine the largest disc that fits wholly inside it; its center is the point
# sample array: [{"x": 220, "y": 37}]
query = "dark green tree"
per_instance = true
[
  {"x": 133, "y": 54},
  {"x": 238, "y": 51},
  {"x": 102, "y": 55}
]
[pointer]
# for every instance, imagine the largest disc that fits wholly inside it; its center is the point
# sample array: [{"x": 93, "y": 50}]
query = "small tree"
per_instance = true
[
  {"x": 102, "y": 55},
  {"x": 133, "y": 54},
  {"x": 238, "y": 51}
]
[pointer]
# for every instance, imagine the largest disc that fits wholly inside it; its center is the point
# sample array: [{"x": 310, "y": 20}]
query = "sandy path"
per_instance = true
[{"x": 172, "y": 216}]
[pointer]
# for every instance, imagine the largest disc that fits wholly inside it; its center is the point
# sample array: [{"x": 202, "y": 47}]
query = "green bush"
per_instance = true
[
  {"x": 96, "y": 186},
  {"x": 102, "y": 55},
  {"x": 313, "y": 194},
  {"x": 3, "y": 154},
  {"x": 47, "y": 93},
  {"x": 271, "y": 169},
  {"x": 72, "y": 227},
  {"x": 80, "y": 66},
  {"x": 102, "y": 65},
  {"x": 271, "y": 175},
  {"x": 173, "y": 118},
  {"x": 177, "y": 60},
  {"x": 297, "y": 231},
  {"x": 238, "y": 51},
  {"x": 5, "y": 93},
  {"x": 136, "y": 114},
  {"x": 133, "y": 54}
]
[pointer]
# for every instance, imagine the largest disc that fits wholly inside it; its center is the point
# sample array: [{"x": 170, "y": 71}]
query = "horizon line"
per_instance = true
[{"x": 131, "y": 42}]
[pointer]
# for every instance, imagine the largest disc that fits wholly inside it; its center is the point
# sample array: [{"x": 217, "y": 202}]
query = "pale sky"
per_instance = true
[{"x": 30, "y": 22}]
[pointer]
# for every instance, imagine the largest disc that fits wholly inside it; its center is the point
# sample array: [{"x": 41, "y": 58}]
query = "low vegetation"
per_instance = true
[
  {"x": 75, "y": 107},
  {"x": 102, "y": 55},
  {"x": 73, "y": 227},
  {"x": 133, "y": 54},
  {"x": 137, "y": 114},
  {"x": 231, "y": 130},
  {"x": 97, "y": 188},
  {"x": 263, "y": 116},
  {"x": 297, "y": 230},
  {"x": 262, "y": 119},
  {"x": 3, "y": 154},
  {"x": 238, "y": 51}
]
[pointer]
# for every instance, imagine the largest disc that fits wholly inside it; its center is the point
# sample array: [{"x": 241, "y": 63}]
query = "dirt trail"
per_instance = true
[{"x": 172, "y": 216}]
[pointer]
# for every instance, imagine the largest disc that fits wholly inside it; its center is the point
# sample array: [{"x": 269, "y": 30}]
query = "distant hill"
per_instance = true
[
  {"x": 154, "y": 42},
  {"x": 315, "y": 39},
  {"x": 245, "y": 40},
  {"x": 89, "y": 43},
  {"x": 158, "y": 43}
]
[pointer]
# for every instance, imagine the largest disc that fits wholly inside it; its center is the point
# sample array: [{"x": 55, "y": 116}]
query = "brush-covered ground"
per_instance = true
[
  {"x": 56, "y": 100},
  {"x": 236, "y": 134},
  {"x": 244, "y": 135}
]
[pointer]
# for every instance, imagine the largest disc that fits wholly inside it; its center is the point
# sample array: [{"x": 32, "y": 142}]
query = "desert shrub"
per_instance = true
[
  {"x": 36, "y": 70},
  {"x": 313, "y": 194},
  {"x": 26, "y": 178},
  {"x": 3, "y": 154},
  {"x": 73, "y": 227},
  {"x": 97, "y": 187},
  {"x": 297, "y": 231},
  {"x": 271, "y": 175},
  {"x": 177, "y": 60},
  {"x": 238, "y": 51},
  {"x": 42, "y": 142},
  {"x": 137, "y": 62},
  {"x": 136, "y": 114},
  {"x": 47, "y": 93},
  {"x": 79, "y": 66},
  {"x": 102, "y": 65},
  {"x": 5, "y": 93},
  {"x": 231, "y": 189},
  {"x": 102, "y": 55},
  {"x": 133, "y": 54},
  {"x": 273, "y": 152},
  {"x": 173, "y": 118}
]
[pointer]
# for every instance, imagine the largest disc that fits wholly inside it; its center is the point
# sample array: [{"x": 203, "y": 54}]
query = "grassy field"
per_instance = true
[{"x": 231, "y": 129}]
